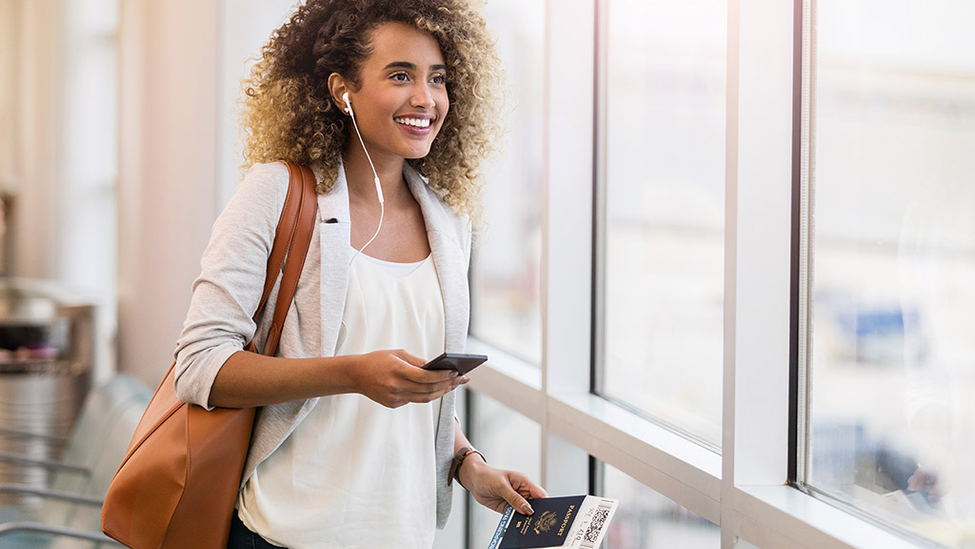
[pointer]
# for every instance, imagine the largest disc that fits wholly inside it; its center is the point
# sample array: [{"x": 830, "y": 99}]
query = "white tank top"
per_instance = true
[{"x": 355, "y": 473}]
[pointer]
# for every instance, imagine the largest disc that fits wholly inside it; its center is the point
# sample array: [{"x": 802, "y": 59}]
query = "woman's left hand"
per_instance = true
[{"x": 497, "y": 488}]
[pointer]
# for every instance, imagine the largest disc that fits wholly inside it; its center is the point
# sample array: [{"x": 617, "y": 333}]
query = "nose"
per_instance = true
[{"x": 423, "y": 96}]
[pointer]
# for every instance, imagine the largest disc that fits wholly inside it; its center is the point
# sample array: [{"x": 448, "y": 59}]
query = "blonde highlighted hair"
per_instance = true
[{"x": 288, "y": 113}]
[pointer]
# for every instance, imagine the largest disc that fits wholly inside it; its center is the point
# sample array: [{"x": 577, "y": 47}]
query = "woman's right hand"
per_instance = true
[{"x": 394, "y": 378}]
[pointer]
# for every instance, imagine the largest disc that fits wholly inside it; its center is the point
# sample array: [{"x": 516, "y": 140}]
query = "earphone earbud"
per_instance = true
[{"x": 348, "y": 105}]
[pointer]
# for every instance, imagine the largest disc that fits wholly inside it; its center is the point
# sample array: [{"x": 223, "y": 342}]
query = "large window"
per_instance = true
[
  {"x": 507, "y": 254},
  {"x": 663, "y": 242},
  {"x": 891, "y": 420}
]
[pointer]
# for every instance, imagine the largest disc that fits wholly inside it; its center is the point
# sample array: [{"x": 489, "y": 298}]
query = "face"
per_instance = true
[{"x": 401, "y": 100}]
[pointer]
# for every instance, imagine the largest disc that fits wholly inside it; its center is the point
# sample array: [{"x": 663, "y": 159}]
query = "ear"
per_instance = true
[{"x": 338, "y": 85}]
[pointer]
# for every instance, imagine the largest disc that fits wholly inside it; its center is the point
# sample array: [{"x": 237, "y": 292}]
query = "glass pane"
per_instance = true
[
  {"x": 510, "y": 441},
  {"x": 664, "y": 244},
  {"x": 647, "y": 520},
  {"x": 505, "y": 270},
  {"x": 245, "y": 26},
  {"x": 893, "y": 357}
]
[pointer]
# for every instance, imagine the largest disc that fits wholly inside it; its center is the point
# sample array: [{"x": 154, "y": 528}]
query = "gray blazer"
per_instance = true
[{"x": 229, "y": 287}]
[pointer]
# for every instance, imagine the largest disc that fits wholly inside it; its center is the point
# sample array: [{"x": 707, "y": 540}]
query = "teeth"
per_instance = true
[{"x": 416, "y": 122}]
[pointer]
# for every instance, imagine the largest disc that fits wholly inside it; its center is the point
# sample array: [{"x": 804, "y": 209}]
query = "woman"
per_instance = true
[{"x": 355, "y": 444}]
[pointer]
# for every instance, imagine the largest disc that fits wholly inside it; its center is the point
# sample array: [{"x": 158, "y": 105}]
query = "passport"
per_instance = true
[{"x": 567, "y": 521}]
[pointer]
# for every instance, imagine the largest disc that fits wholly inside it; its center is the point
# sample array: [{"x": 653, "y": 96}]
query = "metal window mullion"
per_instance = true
[
  {"x": 806, "y": 234},
  {"x": 597, "y": 469},
  {"x": 600, "y": 151}
]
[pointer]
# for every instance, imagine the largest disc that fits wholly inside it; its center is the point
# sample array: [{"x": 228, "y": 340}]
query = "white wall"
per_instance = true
[
  {"x": 36, "y": 157},
  {"x": 9, "y": 63},
  {"x": 168, "y": 171},
  {"x": 9, "y": 55}
]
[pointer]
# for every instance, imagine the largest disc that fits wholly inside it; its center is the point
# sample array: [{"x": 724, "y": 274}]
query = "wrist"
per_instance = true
[
  {"x": 466, "y": 461},
  {"x": 344, "y": 372}
]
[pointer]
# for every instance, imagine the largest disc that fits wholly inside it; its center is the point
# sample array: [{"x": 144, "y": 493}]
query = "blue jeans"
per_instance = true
[{"x": 242, "y": 538}]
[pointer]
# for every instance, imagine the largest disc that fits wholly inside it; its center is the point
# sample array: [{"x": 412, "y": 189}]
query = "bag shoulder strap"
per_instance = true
[{"x": 292, "y": 238}]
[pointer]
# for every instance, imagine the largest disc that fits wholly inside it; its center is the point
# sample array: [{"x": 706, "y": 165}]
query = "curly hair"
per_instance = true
[{"x": 288, "y": 112}]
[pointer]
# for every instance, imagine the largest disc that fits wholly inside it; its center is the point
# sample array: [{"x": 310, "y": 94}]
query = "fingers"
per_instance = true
[
  {"x": 412, "y": 360},
  {"x": 536, "y": 491},
  {"x": 418, "y": 374},
  {"x": 496, "y": 489},
  {"x": 429, "y": 381},
  {"x": 394, "y": 379},
  {"x": 433, "y": 391},
  {"x": 516, "y": 488},
  {"x": 528, "y": 488},
  {"x": 517, "y": 502},
  {"x": 525, "y": 487}
]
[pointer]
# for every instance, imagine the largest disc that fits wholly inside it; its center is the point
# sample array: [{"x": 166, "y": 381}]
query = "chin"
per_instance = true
[{"x": 416, "y": 155}]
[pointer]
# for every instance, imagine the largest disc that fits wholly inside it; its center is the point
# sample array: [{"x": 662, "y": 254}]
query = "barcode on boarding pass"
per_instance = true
[{"x": 593, "y": 533}]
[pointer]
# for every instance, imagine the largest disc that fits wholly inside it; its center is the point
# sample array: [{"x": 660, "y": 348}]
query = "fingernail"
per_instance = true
[
  {"x": 526, "y": 509},
  {"x": 464, "y": 380},
  {"x": 454, "y": 373}
]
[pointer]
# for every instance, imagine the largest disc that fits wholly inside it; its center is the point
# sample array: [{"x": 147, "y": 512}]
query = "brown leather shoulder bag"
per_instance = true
[{"x": 177, "y": 485}]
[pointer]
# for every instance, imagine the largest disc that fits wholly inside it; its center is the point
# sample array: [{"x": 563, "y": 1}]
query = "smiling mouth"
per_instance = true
[{"x": 414, "y": 122}]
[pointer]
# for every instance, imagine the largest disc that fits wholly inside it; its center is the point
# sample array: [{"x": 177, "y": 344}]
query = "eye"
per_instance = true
[
  {"x": 400, "y": 76},
  {"x": 439, "y": 79}
]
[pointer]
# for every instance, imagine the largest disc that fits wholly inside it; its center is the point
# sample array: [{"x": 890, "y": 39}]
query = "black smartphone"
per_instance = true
[{"x": 463, "y": 363}]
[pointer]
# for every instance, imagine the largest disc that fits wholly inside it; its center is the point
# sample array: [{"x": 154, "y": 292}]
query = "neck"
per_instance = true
[{"x": 360, "y": 177}]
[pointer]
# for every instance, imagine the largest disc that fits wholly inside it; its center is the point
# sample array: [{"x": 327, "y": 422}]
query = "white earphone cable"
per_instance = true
[{"x": 379, "y": 188}]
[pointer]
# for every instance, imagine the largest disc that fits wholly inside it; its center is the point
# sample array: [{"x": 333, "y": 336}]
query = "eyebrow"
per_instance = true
[{"x": 412, "y": 67}]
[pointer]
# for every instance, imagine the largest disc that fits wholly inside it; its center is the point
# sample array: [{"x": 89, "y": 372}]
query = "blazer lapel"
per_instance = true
[
  {"x": 448, "y": 258},
  {"x": 335, "y": 229}
]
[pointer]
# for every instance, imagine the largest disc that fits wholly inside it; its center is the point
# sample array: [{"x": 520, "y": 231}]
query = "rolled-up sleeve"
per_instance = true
[{"x": 226, "y": 294}]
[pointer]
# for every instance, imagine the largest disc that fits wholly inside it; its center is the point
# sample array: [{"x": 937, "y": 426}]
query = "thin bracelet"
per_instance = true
[{"x": 459, "y": 458}]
